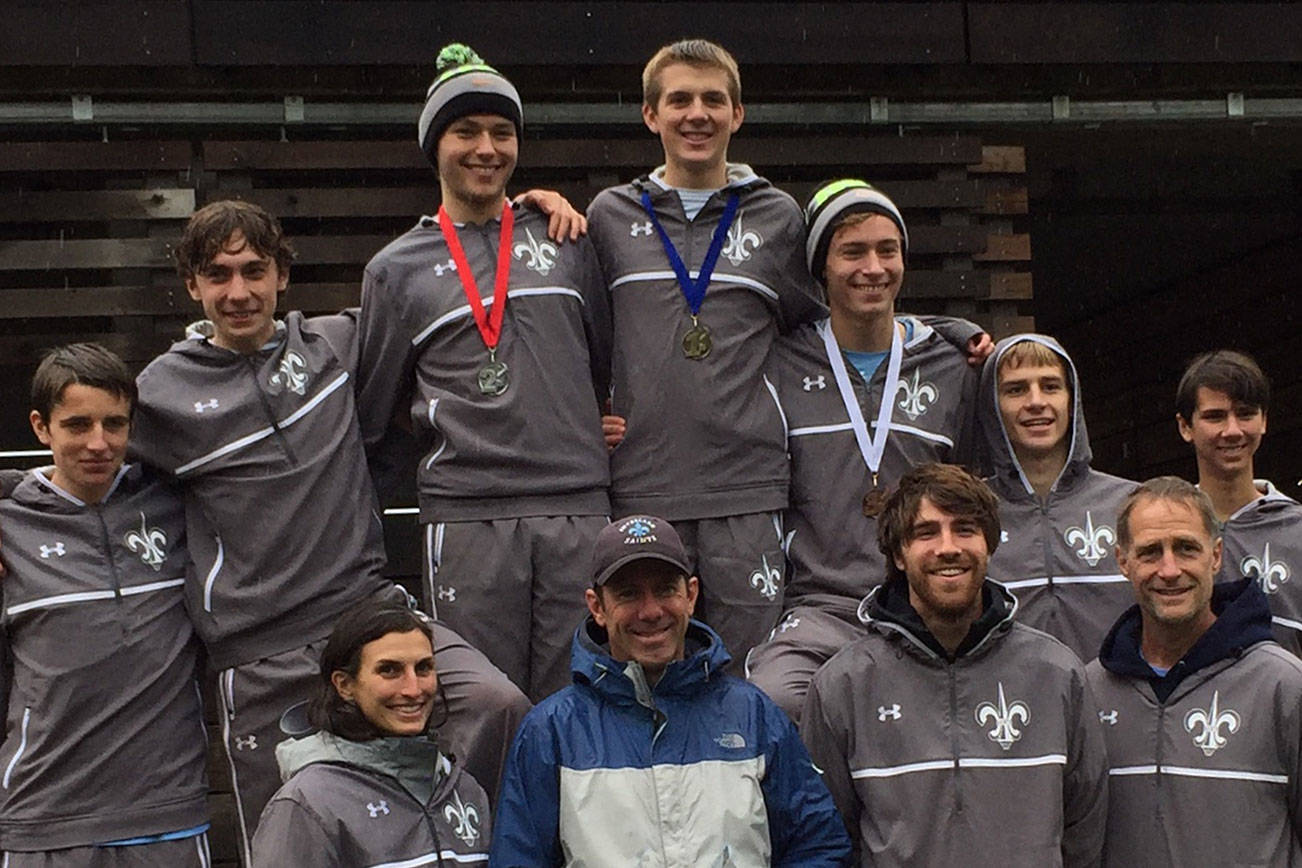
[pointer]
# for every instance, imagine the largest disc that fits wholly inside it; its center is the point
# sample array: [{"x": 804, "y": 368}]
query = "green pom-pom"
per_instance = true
[{"x": 456, "y": 54}]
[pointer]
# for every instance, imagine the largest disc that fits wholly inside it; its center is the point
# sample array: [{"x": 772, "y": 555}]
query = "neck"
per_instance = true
[
  {"x": 245, "y": 346},
  {"x": 694, "y": 177},
  {"x": 1042, "y": 471},
  {"x": 860, "y": 335},
  {"x": 949, "y": 628},
  {"x": 1164, "y": 645},
  {"x": 86, "y": 494},
  {"x": 472, "y": 211},
  {"x": 1228, "y": 494}
]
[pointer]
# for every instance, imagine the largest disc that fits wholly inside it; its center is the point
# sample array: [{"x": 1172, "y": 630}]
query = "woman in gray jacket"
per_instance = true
[{"x": 372, "y": 786}]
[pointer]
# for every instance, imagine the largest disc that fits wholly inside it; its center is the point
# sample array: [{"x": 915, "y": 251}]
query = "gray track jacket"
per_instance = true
[
  {"x": 832, "y": 545},
  {"x": 1057, "y": 555},
  {"x": 280, "y": 511},
  {"x": 391, "y": 801},
  {"x": 1205, "y": 763},
  {"x": 536, "y": 449},
  {"x": 992, "y": 758},
  {"x": 1263, "y": 541},
  {"x": 705, "y": 438},
  {"x": 104, "y": 734}
]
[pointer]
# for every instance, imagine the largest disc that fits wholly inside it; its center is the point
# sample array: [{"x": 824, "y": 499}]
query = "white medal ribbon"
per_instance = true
[{"x": 870, "y": 447}]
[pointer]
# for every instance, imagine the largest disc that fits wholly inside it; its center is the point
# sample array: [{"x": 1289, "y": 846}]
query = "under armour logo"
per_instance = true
[
  {"x": 57, "y": 550},
  {"x": 1003, "y": 536},
  {"x": 788, "y": 624},
  {"x": 200, "y": 406},
  {"x": 447, "y": 593},
  {"x": 636, "y": 229},
  {"x": 377, "y": 810},
  {"x": 1110, "y": 718},
  {"x": 812, "y": 383},
  {"x": 249, "y": 742},
  {"x": 440, "y": 267},
  {"x": 891, "y": 712}
]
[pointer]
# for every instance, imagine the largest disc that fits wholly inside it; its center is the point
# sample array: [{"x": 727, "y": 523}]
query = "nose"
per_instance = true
[
  {"x": 411, "y": 683},
  {"x": 1167, "y": 568},
  {"x": 1034, "y": 397},
  {"x": 1232, "y": 427},
  {"x": 872, "y": 263},
  {"x": 97, "y": 442},
  {"x": 649, "y": 607},
  {"x": 946, "y": 542},
  {"x": 238, "y": 288},
  {"x": 484, "y": 143}
]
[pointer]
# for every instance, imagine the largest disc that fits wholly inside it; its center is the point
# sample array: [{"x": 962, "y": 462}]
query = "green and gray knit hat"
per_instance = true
[
  {"x": 833, "y": 201},
  {"x": 465, "y": 86}
]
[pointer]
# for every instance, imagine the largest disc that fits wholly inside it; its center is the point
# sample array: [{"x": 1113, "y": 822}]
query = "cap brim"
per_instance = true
[{"x": 637, "y": 556}]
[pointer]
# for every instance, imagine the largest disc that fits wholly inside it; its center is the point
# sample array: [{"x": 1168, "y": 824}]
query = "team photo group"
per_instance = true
[{"x": 726, "y": 560}]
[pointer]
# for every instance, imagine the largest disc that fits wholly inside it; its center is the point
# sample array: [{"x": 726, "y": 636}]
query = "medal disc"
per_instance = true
[
  {"x": 874, "y": 501},
  {"x": 493, "y": 379},
  {"x": 697, "y": 343}
]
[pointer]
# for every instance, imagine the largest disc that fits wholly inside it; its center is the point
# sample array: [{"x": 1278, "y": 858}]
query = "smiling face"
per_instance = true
[
  {"x": 1035, "y": 405},
  {"x": 238, "y": 289},
  {"x": 645, "y": 607},
  {"x": 865, "y": 267},
  {"x": 944, "y": 560},
  {"x": 1225, "y": 434},
  {"x": 395, "y": 683},
  {"x": 695, "y": 119},
  {"x": 1171, "y": 561},
  {"x": 476, "y": 157},
  {"x": 87, "y": 432}
]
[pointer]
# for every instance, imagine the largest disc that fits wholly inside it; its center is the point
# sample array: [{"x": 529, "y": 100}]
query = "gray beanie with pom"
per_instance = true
[{"x": 465, "y": 86}]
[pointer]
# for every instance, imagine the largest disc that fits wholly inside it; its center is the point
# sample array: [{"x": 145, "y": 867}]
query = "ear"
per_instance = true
[
  {"x": 649, "y": 118},
  {"x": 39, "y": 427},
  {"x": 193, "y": 288},
  {"x": 593, "y": 599},
  {"x": 1186, "y": 430},
  {"x": 693, "y": 591},
  {"x": 1263, "y": 423},
  {"x": 1122, "y": 562},
  {"x": 343, "y": 684},
  {"x": 1217, "y": 550},
  {"x": 899, "y": 562},
  {"x": 738, "y": 115},
  {"x": 282, "y": 280}
]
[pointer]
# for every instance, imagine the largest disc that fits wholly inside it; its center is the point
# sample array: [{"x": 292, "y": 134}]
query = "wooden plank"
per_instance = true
[
  {"x": 338, "y": 32},
  {"x": 77, "y": 33},
  {"x": 46, "y": 157},
  {"x": 347, "y": 201},
  {"x": 218, "y": 156},
  {"x": 321, "y": 297},
  {"x": 1011, "y": 286},
  {"x": 927, "y": 240},
  {"x": 1002, "y": 159},
  {"x": 84, "y": 253},
  {"x": 944, "y": 284},
  {"x": 967, "y": 195},
  {"x": 27, "y": 206},
  {"x": 1002, "y": 199},
  {"x": 94, "y": 301},
  {"x": 1005, "y": 248},
  {"x": 135, "y": 349}
]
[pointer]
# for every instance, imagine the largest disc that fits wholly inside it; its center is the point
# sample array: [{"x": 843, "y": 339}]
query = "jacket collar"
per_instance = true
[
  {"x": 625, "y": 683},
  {"x": 1242, "y": 620},
  {"x": 415, "y": 762},
  {"x": 887, "y": 608}
]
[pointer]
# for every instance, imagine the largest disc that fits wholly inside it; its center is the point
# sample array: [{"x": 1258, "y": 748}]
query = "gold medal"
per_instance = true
[{"x": 697, "y": 342}]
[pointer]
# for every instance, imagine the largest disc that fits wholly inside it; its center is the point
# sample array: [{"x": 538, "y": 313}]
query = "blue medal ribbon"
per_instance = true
[{"x": 694, "y": 291}]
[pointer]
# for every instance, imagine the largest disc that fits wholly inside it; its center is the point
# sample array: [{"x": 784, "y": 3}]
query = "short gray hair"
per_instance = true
[{"x": 1170, "y": 488}]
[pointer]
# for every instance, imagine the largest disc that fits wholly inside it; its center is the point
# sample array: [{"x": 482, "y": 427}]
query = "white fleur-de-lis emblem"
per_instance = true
[
  {"x": 766, "y": 579},
  {"x": 636, "y": 229},
  {"x": 440, "y": 267},
  {"x": 918, "y": 395},
  {"x": 200, "y": 406},
  {"x": 463, "y": 818},
  {"x": 1209, "y": 722},
  {"x": 812, "y": 383},
  {"x": 376, "y": 810},
  {"x": 147, "y": 542},
  {"x": 541, "y": 256},
  {"x": 446, "y": 592},
  {"x": 1093, "y": 541},
  {"x": 1270, "y": 574},
  {"x": 740, "y": 243},
  {"x": 1005, "y": 716},
  {"x": 888, "y": 712},
  {"x": 291, "y": 374},
  {"x": 57, "y": 550}
]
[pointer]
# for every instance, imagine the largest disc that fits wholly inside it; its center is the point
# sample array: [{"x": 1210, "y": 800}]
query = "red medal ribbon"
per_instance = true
[{"x": 490, "y": 325}]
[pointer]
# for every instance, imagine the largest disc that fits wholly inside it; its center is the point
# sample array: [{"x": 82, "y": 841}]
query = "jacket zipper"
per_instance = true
[
  {"x": 267, "y": 411},
  {"x": 22, "y": 746},
  {"x": 954, "y": 737},
  {"x": 113, "y": 568}
]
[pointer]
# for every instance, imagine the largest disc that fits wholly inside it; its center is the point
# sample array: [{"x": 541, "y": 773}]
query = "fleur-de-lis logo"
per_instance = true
[
  {"x": 740, "y": 243},
  {"x": 888, "y": 712},
  {"x": 463, "y": 818},
  {"x": 147, "y": 542},
  {"x": 541, "y": 256},
  {"x": 291, "y": 374},
  {"x": 1270, "y": 574},
  {"x": 1093, "y": 541},
  {"x": 1005, "y": 716},
  {"x": 440, "y": 267},
  {"x": 918, "y": 395},
  {"x": 1209, "y": 721},
  {"x": 766, "y": 579},
  {"x": 636, "y": 229}
]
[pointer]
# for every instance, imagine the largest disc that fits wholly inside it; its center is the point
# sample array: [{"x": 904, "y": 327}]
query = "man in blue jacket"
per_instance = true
[{"x": 653, "y": 756}]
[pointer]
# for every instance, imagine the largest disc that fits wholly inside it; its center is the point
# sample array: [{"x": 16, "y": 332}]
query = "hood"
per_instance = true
[
  {"x": 591, "y": 664},
  {"x": 1242, "y": 620},
  {"x": 415, "y": 762},
  {"x": 887, "y": 608},
  {"x": 740, "y": 176},
  {"x": 37, "y": 492},
  {"x": 997, "y": 449},
  {"x": 196, "y": 344},
  {"x": 1264, "y": 509}
]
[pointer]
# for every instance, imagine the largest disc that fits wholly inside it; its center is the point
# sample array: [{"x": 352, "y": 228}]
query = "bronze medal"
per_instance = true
[
  {"x": 874, "y": 501},
  {"x": 493, "y": 379},
  {"x": 697, "y": 342}
]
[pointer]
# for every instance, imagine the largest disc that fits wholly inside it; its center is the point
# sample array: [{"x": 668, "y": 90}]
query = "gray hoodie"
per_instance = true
[
  {"x": 1263, "y": 541},
  {"x": 397, "y": 801},
  {"x": 281, "y": 515},
  {"x": 104, "y": 735},
  {"x": 705, "y": 437},
  {"x": 1057, "y": 555}
]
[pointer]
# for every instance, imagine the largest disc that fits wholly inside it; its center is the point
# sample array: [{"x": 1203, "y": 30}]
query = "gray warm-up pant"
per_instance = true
[
  {"x": 483, "y": 710},
  {"x": 189, "y": 852},
  {"x": 803, "y": 640},
  {"x": 514, "y": 587}
]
